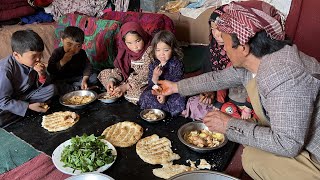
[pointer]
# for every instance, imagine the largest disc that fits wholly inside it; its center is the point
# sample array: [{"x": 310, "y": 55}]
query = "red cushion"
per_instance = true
[
  {"x": 303, "y": 26},
  {"x": 42, "y": 3}
]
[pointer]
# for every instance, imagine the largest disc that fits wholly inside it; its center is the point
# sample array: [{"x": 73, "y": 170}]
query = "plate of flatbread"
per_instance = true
[
  {"x": 123, "y": 134},
  {"x": 59, "y": 121}
]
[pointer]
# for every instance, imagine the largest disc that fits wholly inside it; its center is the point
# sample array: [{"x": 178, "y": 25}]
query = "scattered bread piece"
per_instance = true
[
  {"x": 157, "y": 88},
  {"x": 204, "y": 164},
  {"x": 192, "y": 164},
  {"x": 45, "y": 106},
  {"x": 167, "y": 171}
]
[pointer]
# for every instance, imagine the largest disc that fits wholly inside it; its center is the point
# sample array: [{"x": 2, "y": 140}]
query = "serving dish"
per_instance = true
[
  {"x": 105, "y": 98},
  {"x": 203, "y": 175},
  {"x": 56, "y": 158},
  {"x": 152, "y": 115},
  {"x": 65, "y": 99},
  {"x": 197, "y": 126}
]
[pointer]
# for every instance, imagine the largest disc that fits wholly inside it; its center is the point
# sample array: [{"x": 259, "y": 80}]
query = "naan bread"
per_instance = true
[
  {"x": 204, "y": 165},
  {"x": 45, "y": 106},
  {"x": 123, "y": 134},
  {"x": 155, "y": 150},
  {"x": 59, "y": 121},
  {"x": 168, "y": 171}
]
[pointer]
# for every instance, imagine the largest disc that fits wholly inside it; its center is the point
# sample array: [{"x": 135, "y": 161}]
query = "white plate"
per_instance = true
[
  {"x": 90, "y": 176},
  {"x": 56, "y": 157}
]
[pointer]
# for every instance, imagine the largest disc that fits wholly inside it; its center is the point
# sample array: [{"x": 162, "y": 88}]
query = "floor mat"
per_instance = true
[
  {"x": 40, "y": 167},
  {"x": 96, "y": 117}
]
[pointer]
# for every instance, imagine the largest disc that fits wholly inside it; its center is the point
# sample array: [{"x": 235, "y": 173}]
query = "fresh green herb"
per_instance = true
[{"x": 86, "y": 153}]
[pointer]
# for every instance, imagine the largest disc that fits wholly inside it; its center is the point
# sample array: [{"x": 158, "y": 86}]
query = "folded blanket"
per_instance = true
[
  {"x": 39, "y": 168},
  {"x": 12, "y": 4},
  {"x": 19, "y": 160},
  {"x": 14, "y": 151},
  {"x": 7, "y": 14}
]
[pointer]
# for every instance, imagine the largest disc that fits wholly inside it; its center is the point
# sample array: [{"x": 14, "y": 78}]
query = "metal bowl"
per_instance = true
[
  {"x": 104, "y": 100},
  {"x": 203, "y": 175},
  {"x": 64, "y": 98},
  {"x": 159, "y": 113},
  {"x": 196, "y": 126},
  {"x": 90, "y": 176}
]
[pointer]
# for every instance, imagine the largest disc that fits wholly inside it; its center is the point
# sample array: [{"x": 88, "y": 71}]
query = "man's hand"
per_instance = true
[
  {"x": 40, "y": 68},
  {"x": 38, "y": 107},
  {"x": 216, "y": 121},
  {"x": 166, "y": 88}
]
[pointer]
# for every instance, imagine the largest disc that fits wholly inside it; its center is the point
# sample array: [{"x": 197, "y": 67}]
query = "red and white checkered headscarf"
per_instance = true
[{"x": 247, "y": 18}]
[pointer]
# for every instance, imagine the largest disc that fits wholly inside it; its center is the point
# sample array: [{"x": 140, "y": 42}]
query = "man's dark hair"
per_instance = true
[
  {"x": 26, "y": 40},
  {"x": 74, "y": 33},
  {"x": 261, "y": 44}
]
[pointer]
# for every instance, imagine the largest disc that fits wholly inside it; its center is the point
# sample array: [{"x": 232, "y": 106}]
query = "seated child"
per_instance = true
[
  {"x": 167, "y": 65},
  {"x": 130, "y": 75},
  {"x": 24, "y": 82},
  {"x": 69, "y": 65}
]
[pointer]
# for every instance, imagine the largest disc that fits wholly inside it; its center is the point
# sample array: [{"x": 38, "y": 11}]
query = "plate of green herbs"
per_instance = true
[{"x": 84, "y": 153}]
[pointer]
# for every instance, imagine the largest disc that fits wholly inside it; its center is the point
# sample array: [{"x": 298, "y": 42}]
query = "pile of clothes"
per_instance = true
[{"x": 12, "y": 10}]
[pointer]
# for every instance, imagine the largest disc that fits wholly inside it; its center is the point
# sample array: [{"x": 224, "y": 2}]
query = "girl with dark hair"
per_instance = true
[{"x": 167, "y": 65}]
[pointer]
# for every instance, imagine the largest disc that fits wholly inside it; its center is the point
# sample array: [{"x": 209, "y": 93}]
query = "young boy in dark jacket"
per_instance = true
[{"x": 69, "y": 65}]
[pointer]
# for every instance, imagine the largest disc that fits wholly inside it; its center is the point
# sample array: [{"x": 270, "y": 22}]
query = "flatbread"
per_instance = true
[
  {"x": 59, "y": 121},
  {"x": 203, "y": 165},
  {"x": 123, "y": 134},
  {"x": 155, "y": 150},
  {"x": 45, "y": 106},
  {"x": 170, "y": 170}
]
